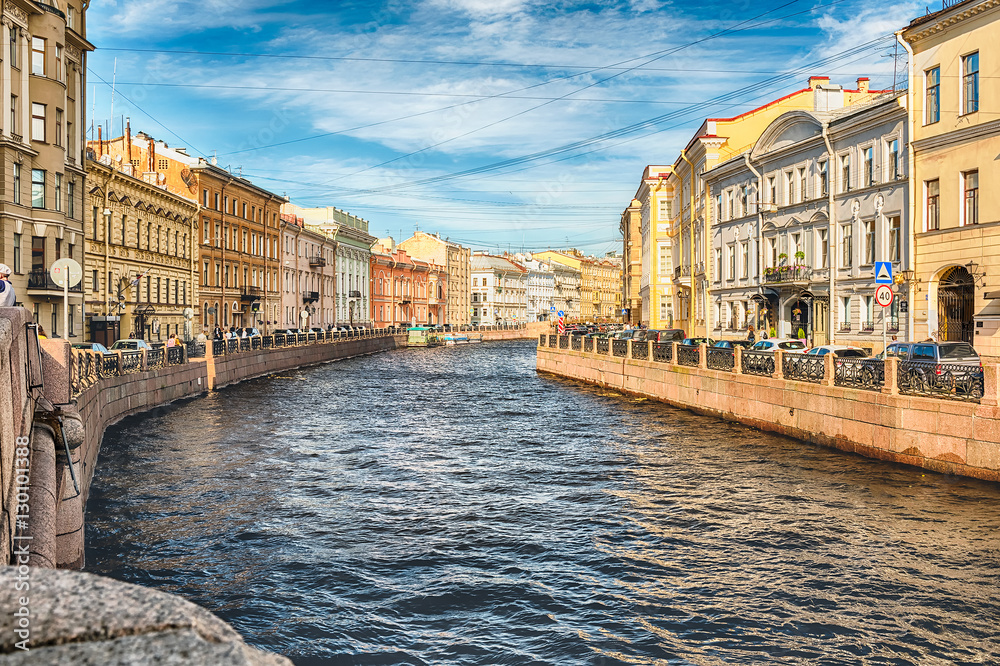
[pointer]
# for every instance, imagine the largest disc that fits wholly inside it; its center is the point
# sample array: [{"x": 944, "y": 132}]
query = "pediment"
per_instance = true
[{"x": 787, "y": 130}]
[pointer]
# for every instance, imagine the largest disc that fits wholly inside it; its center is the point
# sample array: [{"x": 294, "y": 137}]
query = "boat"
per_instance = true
[
  {"x": 456, "y": 339},
  {"x": 422, "y": 336}
]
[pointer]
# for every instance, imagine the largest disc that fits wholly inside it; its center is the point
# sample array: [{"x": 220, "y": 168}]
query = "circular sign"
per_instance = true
[
  {"x": 561, "y": 313},
  {"x": 883, "y": 295},
  {"x": 66, "y": 272}
]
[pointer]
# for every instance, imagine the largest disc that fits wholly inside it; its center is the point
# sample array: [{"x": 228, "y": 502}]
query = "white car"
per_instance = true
[
  {"x": 784, "y": 344},
  {"x": 840, "y": 351}
]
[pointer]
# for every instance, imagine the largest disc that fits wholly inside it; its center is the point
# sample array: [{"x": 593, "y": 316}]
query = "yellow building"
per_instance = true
[
  {"x": 140, "y": 256},
  {"x": 955, "y": 286},
  {"x": 600, "y": 282},
  {"x": 631, "y": 230},
  {"x": 716, "y": 141},
  {"x": 651, "y": 282}
]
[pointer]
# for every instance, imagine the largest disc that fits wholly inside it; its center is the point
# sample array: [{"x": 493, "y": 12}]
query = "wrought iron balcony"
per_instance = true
[
  {"x": 40, "y": 280},
  {"x": 251, "y": 294},
  {"x": 310, "y": 296},
  {"x": 317, "y": 262},
  {"x": 354, "y": 294},
  {"x": 787, "y": 274}
]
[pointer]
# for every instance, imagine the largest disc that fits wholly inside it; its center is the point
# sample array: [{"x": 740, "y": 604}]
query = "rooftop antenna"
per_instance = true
[{"x": 114, "y": 78}]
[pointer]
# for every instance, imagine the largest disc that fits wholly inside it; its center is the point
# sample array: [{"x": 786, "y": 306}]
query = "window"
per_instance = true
[
  {"x": 932, "y": 189},
  {"x": 744, "y": 259},
  {"x": 71, "y": 200},
  {"x": 664, "y": 260},
  {"x": 892, "y": 170},
  {"x": 802, "y": 185},
  {"x": 869, "y": 315},
  {"x": 970, "y": 196},
  {"x": 823, "y": 179},
  {"x": 824, "y": 249},
  {"x": 38, "y": 56},
  {"x": 772, "y": 252},
  {"x": 13, "y": 114},
  {"x": 845, "y": 173},
  {"x": 970, "y": 83},
  {"x": 59, "y": 127},
  {"x": 59, "y": 63},
  {"x": 38, "y": 253},
  {"x": 869, "y": 242},
  {"x": 846, "y": 232},
  {"x": 932, "y": 103},
  {"x": 894, "y": 238},
  {"x": 718, "y": 264},
  {"x": 732, "y": 262},
  {"x": 845, "y": 313},
  {"x": 772, "y": 190},
  {"x": 95, "y": 282},
  {"x": 37, "y": 122},
  {"x": 17, "y": 253},
  {"x": 718, "y": 206},
  {"x": 869, "y": 168},
  {"x": 15, "y": 47},
  {"x": 38, "y": 188},
  {"x": 58, "y": 191},
  {"x": 17, "y": 183},
  {"x": 789, "y": 188},
  {"x": 162, "y": 165}
]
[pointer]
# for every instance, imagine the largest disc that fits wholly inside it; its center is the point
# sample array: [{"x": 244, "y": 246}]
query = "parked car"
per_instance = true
[
  {"x": 130, "y": 344},
  {"x": 840, "y": 351},
  {"x": 733, "y": 344},
  {"x": 697, "y": 341},
  {"x": 784, "y": 344},
  {"x": 938, "y": 366},
  {"x": 91, "y": 346}
]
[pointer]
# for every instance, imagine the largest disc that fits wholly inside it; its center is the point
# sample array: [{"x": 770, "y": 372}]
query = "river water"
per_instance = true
[{"x": 451, "y": 506}]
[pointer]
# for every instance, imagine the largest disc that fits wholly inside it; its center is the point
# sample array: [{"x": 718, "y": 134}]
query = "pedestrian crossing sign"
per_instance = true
[{"x": 883, "y": 272}]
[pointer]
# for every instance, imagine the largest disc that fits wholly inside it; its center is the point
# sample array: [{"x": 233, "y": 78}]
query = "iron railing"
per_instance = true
[
  {"x": 787, "y": 274},
  {"x": 689, "y": 355},
  {"x": 603, "y": 345},
  {"x": 110, "y": 366},
  {"x": 941, "y": 380},
  {"x": 721, "y": 358},
  {"x": 577, "y": 343},
  {"x": 640, "y": 350},
  {"x": 663, "y": 352},
  {"x": 218, "y": 347},
  {"x": 757, "y": 363},
  {"x": 542, "y": 340},
  {"x": 175, "y": 355},
  {"x": 803, "y": 367},
  {"x": 131, "y": 361},
  {"x": 588, "y": 344},
  {"x": 563, "y": 342},
  {"x": 154, "y": 359},
  {"x": 867, "y": 374},
  {"x": 619, "y": 348}
]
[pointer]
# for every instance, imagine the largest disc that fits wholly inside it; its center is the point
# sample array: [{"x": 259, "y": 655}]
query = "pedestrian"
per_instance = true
[
  {"x": 217, "y": 334},
  {"x": 6, "y": 288},
  {"x": 172, "y": 340},
  {"x": 41, "y": 333},
  {"x": 751, "y": 336}
]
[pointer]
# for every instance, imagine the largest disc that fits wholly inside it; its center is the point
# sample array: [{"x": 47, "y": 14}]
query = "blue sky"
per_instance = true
[{"x": 497, "y": 123}]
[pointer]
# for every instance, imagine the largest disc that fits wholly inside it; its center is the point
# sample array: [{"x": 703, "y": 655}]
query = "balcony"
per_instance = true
[
  {"x": 251, "y": 294},
  {"x": 310, "y": 296},
  {"x": 40, "y": 280},
  {"x": 354, "y": 294},
  {"x": 787, "y": 274},
  {"x": 317, "y": 262}
]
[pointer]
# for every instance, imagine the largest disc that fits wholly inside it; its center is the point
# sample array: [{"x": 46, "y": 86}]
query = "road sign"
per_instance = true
[
  {"x": 552, "y": 309},
  {"x": 883, "y": 272},
  {"x": 561, "y": 314},
  {"x": 66, "y": 270},
  {"x": 883, "y": 295}
]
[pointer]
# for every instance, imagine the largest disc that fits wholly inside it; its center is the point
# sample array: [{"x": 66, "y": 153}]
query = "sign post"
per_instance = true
[
  {"x": 883, "y": 296},
  {"x": 66, "y": 273},
  {"x": 562, "y": 323}
]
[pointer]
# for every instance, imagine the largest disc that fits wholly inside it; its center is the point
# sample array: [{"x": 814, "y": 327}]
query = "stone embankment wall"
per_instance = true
[{"x": 937, "y": 434}]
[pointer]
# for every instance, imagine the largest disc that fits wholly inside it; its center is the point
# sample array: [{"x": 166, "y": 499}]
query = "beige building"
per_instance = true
[
  {"x": 308, "y": 276},
  {"x": 140, "y": 262},
  {"x": 457, "y": 260},
  {"x": 600, "y": 293},
  {"x": 499, "y": 291},
  {"x": 631, "y": 230},
  {"x": 44, "y": 67},
  {"x": 955, "y": 284}
]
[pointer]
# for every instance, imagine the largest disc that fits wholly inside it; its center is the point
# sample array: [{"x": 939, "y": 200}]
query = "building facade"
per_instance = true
[
  {"x": 631, "y": 230},
  {"x": 806, "y": 214},
  {"x": 42, "y": 154},
  {"x": 140, "y": 257},
  {"x": 308, "y": 276},
  {"x": 406, "y": 291},
  {"x": 457, "y": 259},
  {"x": 499, "y": 291},
  {"x": 540, "y": 288},
  {"x": 954, "y": 286}
]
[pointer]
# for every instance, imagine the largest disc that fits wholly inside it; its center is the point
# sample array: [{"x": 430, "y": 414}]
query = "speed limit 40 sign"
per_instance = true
[{"x": 883, "y": 295}]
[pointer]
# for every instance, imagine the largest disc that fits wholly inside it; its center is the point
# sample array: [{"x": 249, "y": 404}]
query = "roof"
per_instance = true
[{"x": 487, "y": 262}]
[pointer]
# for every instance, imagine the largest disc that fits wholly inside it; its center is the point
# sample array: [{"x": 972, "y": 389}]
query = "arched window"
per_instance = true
[{"x": 225, "y": 315}]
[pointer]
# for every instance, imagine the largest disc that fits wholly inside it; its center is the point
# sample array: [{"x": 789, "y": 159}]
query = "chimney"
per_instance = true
[
  {"x": 863, "y": 84},
  {"x": 816, "y": 81}
]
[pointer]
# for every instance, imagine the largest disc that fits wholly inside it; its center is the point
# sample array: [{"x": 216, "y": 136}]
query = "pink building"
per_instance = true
[{"x": 308, "y": 276}]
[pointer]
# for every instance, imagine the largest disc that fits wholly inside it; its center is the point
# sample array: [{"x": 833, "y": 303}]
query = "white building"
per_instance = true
[
  {"x": 541, "y": 288},
  {"x": 499, "y": 291}
]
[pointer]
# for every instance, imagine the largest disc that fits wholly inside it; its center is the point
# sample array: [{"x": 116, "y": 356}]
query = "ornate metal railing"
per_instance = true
[
  {"x": 720, "y": 358},
  {"x": 553, "y": 341},
  {"x": 663, "y": 352},
  {"x": 757, "y": 363},
  {"x": 154, "y": 359},
  {"x": 619, "y": 348},
  {"x": 576, "y": 342},
  {"x": 588, "y": 344},
  {"x": 131, "y": 361},
  {"x": 803, "y": 368},
  {"x": 218, "y": 347},
  {"x": 640, "y": 350},
  {"x": 861, "y": 373},
  {"x": 256, "y": 342},
  {"x": 542, "y": 340},
  {"x": 603, "y": 344},
  {"x": 175, "y": 355},
  {"x": 280, "y": 339},
  {"x": 787, "y": 274},
  {"x": 941, "y": 380},
  {"x": 563, "y": 342},
  {"x": 689, "y": 355},
  {"x": 245, "y": 344},
  {"x": 110, "y": 365},
  {"x": 232, "y": 345}
]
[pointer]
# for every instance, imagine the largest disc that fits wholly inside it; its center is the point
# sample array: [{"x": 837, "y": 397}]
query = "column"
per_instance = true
[{"x": 5, "y": 99}]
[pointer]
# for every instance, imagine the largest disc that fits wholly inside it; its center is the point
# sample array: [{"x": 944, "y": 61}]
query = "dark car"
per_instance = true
[
  {"x": 666, "y": 335},
  {"x": 938, "y": 366},
  {"x": 733, "y": 344},
  {"x": 697, "y": 341}
]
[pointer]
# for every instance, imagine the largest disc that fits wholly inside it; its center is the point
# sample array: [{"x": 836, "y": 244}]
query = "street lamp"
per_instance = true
[{"x": 973, "y": 269}]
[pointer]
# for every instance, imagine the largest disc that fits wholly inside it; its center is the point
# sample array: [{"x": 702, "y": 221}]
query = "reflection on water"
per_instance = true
[{"x": 451, "y": 506}]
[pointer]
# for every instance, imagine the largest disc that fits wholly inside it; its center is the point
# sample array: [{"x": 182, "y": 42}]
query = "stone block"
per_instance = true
[{"x": 983, "y": 455}]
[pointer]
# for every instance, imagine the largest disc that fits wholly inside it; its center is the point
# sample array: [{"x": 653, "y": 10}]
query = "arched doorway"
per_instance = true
[
  {"x": 800, "y": 315},
  {"x": 956, "y": 298}
]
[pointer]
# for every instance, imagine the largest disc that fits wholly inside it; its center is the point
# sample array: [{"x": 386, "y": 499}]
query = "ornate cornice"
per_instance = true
[
  {"x": 925, "y": 27},
  {"x": 972, "y": 133},
  {"x": 16, "y": 13}
]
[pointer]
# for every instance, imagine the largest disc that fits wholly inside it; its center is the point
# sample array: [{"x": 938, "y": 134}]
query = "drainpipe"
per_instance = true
[
  {"x": 911, "y": 234},
  {"x": 831, "y": 228},
  {"x": 192, "y": 247},
  {"x": 760, "y": 226},
  {"x": 691, "y": 229}
]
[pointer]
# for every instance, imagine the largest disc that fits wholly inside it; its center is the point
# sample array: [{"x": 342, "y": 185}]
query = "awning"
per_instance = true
[
  {"x": 768, "y": 293},
  {"x": 992, "y": 294}
]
